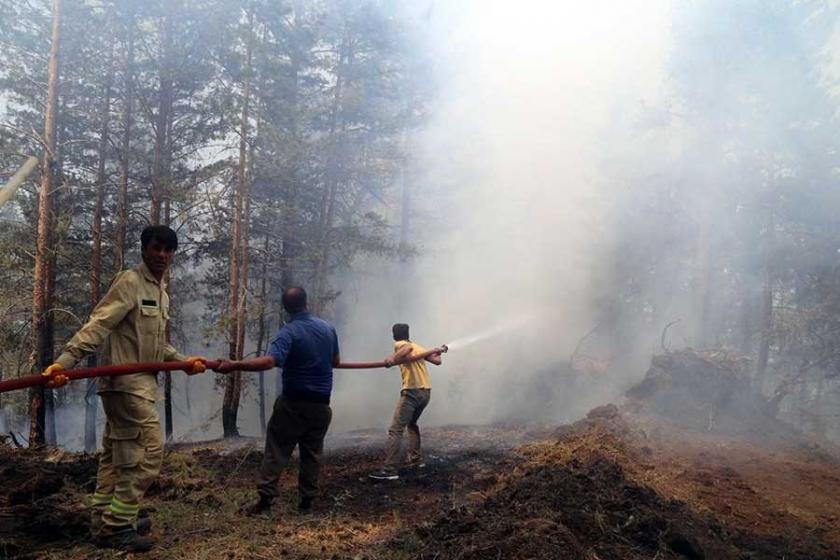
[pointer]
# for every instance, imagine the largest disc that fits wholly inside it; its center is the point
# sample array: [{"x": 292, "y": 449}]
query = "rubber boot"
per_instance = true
[
  {"x": 128, "y": 541},
  {"x": 305, "y": 505},
  {"x": 144, "y": 526},
  {"x": 260, "y": 506}
]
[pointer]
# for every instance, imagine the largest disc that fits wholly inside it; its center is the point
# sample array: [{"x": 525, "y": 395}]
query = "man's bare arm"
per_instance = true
[
  {"x": 398, "y": 356},
  {"x": 435, "y": 359},
  {"x": 256, "y": 364}
]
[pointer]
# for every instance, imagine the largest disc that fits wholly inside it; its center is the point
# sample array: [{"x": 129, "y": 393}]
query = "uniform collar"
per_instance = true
[
  {"x": 301, "y": 315},
  {"x": 147, "y": 274}
]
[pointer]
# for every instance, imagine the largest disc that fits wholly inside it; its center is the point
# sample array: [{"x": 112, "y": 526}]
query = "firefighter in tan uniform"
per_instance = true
[{"x": 129, "y": 323}]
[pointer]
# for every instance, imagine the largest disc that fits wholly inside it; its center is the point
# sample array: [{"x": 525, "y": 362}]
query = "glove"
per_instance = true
[
  {"x": 198, "y": 365},
  {"x": 56, "y": 378}
]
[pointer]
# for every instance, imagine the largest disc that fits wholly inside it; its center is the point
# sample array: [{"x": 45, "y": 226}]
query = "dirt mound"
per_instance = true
[
  {"x": 609, "y": 489},
  {"x": 704, "y": 390},
  {"x": 580, "y": 510},
  {"x": 42, "y": 502}
]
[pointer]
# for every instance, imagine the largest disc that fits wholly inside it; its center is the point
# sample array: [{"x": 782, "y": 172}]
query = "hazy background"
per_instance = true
[
  {"x": 516, "y": 226},
  {"x": 585, "y": 175}
]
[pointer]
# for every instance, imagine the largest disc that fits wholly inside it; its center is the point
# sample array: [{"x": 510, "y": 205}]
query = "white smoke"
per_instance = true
[{"x": 511, "y": 217}]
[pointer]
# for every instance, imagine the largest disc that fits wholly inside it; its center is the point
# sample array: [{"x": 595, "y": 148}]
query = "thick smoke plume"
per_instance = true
[{"x": 512, "y": 215}]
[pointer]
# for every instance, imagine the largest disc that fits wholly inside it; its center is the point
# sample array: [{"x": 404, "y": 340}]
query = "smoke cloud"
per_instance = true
[{"x": 511, "y": 215}]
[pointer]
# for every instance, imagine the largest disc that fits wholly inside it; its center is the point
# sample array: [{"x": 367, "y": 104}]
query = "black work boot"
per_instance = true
[
  {"x": 261, "y": 506},
  {"x": 144, "y": 526},
  {"x": 129, "y": 541},
  {"x": 305, "y": 504}
]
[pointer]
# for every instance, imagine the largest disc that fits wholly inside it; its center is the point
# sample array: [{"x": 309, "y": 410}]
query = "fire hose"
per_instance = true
[{"x": 126, "y": 369}]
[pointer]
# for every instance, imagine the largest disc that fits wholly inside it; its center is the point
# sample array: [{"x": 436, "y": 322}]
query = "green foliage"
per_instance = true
[{"x": 330, "y": 81}]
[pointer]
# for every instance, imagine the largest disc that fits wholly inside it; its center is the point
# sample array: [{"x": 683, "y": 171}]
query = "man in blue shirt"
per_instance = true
[{"x": 307, "y": 349}]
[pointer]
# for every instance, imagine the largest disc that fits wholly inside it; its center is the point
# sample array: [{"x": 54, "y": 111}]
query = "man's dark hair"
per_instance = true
[
  {"x": 294, "y": 299},
  {"x": 400, "y": 331},
  {"x": 162, "y": 234}
]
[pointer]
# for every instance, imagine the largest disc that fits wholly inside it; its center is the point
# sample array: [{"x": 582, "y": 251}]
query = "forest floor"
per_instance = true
[{"x": 624, "y": 483}]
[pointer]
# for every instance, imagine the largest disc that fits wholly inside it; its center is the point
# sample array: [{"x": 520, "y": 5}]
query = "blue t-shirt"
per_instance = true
[{"x": 305, "y": 348}]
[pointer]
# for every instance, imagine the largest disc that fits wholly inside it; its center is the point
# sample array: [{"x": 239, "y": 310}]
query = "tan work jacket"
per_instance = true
[{"x": 130, "y": 324}]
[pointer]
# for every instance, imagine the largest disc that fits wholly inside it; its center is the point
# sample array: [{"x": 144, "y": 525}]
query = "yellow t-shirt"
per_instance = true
[{"x": 414, "y": 374}]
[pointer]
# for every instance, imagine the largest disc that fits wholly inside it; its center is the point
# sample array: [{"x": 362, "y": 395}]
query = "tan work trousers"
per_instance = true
[
  {"x": 411, "y": 405},
  {"x": 131, "y": 457}
]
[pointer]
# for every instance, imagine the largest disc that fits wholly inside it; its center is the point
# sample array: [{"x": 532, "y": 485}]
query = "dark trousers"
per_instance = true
[
  {"x": 411, "y": 405},
  {"x": 294, "y": 423}
]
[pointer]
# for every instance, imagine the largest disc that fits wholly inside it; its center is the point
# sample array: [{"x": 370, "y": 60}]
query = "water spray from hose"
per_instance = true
[{"x": 465, "y": 341}]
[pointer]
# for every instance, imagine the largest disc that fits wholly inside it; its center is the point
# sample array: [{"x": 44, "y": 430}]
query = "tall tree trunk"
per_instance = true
[
  {"x": 96, "y": 252},
  {"x": 58, "y": 197},
  {"x": 161, "y": 171},
  {"x": 161, "y": 125},
  {"x": 766, "y": 329},
  {"x": 230, "y": 403},
  {"x": 168, "y": 423},
  {"x": 233, "y": 388},
  {"x": 261, "y": 331},
  {"x": 704, "y": 282},
  {"x": 328, "y": 199},
  {"x": 746, "y": 323},
  {"x": 49, "y": 326},
  {"x": 819, "y": 418},
  {"x": 288, "y": 214},
  {"x": 125, "y": 156},
  {"x": 766, "y": 320},
  {"x": 41, "y": 294},
  {"x": 801, "y": 408}
]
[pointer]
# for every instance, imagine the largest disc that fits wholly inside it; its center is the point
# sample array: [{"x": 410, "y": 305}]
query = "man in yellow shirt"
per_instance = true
[
  {"x": 414, "y": 397},
  {"x": 129, "y": 323}
]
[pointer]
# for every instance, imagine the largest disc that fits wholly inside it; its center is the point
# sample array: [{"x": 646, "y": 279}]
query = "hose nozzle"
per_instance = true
[{"x": 444, "y": 348}]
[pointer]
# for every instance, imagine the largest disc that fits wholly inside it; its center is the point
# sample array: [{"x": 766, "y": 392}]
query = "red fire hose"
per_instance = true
[
  {"x": 125, "y": 369},
  {"x": 374, "y": 365}
]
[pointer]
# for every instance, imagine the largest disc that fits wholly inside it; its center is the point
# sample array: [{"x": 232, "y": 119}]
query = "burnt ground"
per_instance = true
[
  {"x": 617, "y": 485},
  {"x": 202, "y": 486},
  {"x": 628, "y": 482}
]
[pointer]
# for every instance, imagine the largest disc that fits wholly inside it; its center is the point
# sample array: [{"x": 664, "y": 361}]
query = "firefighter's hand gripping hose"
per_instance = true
[
  {"x": 199, "y": 365},
  {"x": 55, "y": 376}
]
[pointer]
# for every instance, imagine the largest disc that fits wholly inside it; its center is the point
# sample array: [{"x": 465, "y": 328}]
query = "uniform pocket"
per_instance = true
[
  {"x": 149, "y": 319},
  {"x": 126, "y": 447}
]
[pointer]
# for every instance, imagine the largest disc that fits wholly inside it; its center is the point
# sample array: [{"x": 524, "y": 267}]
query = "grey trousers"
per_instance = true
[
  {"x": 294, "y": 423},
  {"x": 409, "y": 408}
]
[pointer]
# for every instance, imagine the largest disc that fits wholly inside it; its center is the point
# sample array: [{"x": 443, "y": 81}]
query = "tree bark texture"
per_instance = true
[
  {"x": 328, "y": 200},
  {"x": 91, "y": 407},
  {"x": 42, "y": 296},
  {"x": 238, "y": 260},
  {"x": 125, "y": 155}
]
